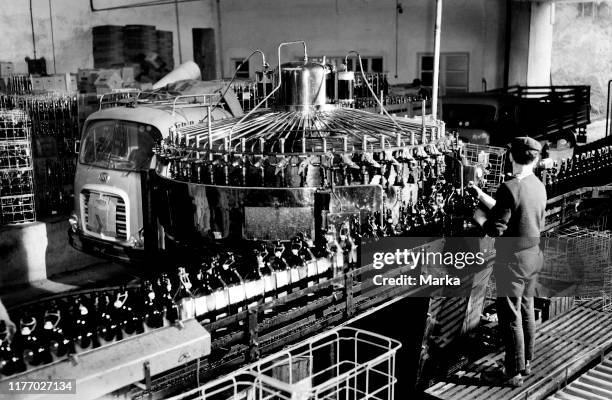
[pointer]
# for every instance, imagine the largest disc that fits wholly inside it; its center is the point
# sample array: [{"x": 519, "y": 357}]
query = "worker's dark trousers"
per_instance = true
[{"x": 516, "y": 279}]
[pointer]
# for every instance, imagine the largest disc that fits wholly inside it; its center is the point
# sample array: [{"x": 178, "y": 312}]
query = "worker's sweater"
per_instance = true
[{"x": 518, "y": 215}]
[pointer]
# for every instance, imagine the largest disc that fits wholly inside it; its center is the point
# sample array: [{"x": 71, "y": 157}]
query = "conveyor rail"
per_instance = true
[{"x": 595, "y": 384}]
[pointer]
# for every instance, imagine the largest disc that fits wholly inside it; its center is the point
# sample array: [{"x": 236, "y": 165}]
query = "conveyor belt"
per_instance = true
[
  {"x": 564, "y": 346},
  {"x": 595, "y": 384}
]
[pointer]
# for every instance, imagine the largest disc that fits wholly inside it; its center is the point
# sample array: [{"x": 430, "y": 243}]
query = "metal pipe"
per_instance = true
[
  {"x": 178, "y": 30},
  {"x": 136, "y": 5},
  {"x": 32, "y": 23},
  {"x": 608, "y": 108},
  {"x": 264, "y": 63},
  {"x": 436, "y": 71},
  {"x": 52, "y": 36},
  {"x": 265, "y": 99}
]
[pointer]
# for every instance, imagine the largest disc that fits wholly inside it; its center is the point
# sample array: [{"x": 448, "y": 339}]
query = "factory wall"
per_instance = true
[
  {"x": 72, "y": 22},
  {"x": 332, "y": 27}
]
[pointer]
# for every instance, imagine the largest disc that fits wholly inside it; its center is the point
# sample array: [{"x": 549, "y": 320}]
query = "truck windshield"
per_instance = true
[
  {"x": 120, "y": 145},
  {"x": 468, "y": 115}
]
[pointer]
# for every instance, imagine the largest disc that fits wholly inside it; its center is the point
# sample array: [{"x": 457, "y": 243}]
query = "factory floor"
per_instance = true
[{"x": 106, "y": 273}]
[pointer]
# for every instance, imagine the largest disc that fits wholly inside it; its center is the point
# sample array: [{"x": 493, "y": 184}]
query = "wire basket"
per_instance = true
[
  {"x": 17, "y": 209},
  {"x": 14, "y": 125},
  {"x": 580, "y": 256},
  {"x": 491, "y": 161},
  {"x": 342, "y": 364}
]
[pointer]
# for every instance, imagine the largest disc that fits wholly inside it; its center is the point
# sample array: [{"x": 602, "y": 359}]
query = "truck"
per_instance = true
[
  {"x": 550, "y": 114},
  {"x": 115, "y": 157}
]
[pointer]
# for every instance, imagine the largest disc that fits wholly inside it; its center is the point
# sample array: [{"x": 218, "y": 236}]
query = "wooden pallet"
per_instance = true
[{"x": 564, "y": 346}]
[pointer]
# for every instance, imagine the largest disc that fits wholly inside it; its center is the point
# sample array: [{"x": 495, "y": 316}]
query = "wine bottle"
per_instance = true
[
  {"x": 11, "y": 359},
  {"x": 152, "y": 311},
  {"x": 34, "y": 351},
  {"x": 108, "y": 329},
  {"x": 59, "y": 343},
  {"x": 83, "y": 330}
]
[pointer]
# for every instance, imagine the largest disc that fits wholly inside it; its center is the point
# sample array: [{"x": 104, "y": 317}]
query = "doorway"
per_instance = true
[{"x": 205, "y": 52}]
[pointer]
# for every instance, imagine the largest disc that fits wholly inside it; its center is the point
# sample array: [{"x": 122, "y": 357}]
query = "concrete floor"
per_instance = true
[{"x": 106, "y": 273}]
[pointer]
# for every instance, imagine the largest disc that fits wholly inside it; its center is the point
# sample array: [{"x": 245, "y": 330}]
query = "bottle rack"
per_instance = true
[
  {"x": 53, "y": 129},
  {"x": 16, "y": 174}
]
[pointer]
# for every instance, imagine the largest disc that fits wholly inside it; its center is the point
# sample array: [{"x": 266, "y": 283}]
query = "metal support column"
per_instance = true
[{"x": 436, "y": 71}]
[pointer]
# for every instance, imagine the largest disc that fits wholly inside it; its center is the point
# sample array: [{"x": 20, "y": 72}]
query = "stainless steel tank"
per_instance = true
[{"x": 303, "y": 86}]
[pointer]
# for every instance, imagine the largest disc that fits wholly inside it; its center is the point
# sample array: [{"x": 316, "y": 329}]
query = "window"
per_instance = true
[
  {"x": 243, "y": 72},
  {"x": 119, "y": 145},
  {"x": 454, "y": 72}
]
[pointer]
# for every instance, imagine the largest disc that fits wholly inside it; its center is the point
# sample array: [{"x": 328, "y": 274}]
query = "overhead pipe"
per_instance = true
[
  {"x": 436, "y": 71},
  {"x": 136, "y": 5}
]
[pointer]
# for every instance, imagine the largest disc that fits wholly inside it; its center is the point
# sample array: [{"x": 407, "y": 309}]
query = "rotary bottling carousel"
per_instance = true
[{"x": 310, "y": 166}]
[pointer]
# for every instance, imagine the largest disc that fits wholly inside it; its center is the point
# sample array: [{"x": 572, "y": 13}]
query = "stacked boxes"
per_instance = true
[
  {"x": 16, "y": 183},
  {"x": 59, "y": 83}
]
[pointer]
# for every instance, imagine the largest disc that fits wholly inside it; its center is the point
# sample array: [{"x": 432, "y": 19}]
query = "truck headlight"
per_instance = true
[
  {"x": 74, "y": 222},
  {"x": 137, "y": 241}
]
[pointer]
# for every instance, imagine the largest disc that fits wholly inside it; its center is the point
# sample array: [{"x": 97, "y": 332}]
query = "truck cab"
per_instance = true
[{"x": 115, "y": 155}]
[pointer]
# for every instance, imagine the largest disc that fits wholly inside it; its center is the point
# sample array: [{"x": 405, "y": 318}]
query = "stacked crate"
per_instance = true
[
  {"x": 108, "y": 46},
  {"x": 16, "y": 172}
]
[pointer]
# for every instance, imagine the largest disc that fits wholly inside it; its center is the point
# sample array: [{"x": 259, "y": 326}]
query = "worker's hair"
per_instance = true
[{"x": 523, "y": 156}]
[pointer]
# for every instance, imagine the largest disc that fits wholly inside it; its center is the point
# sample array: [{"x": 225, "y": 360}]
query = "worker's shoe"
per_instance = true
[
  {"x": 499, "y": 377},
  {"x": 527, "y": 370}
]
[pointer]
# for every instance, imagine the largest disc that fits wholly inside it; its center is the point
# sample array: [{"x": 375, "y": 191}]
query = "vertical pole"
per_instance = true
[
  {"x": 32, "y": 24},
  {"x": 209, "y": 126},
  {"x": 436, "y": 72},
  {"x": 53, "y": 38},
  {"x": 178, "y": 31},
  {"x": 608, "y": 107},
  {"x": 396, "y": 35}
]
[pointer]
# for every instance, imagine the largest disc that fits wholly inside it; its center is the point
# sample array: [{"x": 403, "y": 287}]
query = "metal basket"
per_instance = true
[
  {"x": 581, "y": 256},
  {"x": 342, "y": 364},
  {"x": 491, "y": 159}
]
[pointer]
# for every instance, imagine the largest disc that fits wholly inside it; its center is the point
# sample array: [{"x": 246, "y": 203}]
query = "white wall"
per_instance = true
[
  {"x": 72, "y": 22},
  {"x": 332, "y": 27}
]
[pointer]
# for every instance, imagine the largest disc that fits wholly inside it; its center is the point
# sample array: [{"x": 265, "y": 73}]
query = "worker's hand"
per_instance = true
[
  {"x": 480, "y": 216},
  {"x": 474, "y": 190}
]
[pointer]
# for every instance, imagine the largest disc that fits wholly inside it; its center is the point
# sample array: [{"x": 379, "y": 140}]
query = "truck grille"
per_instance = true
[{"x": 121, "y": 216}]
